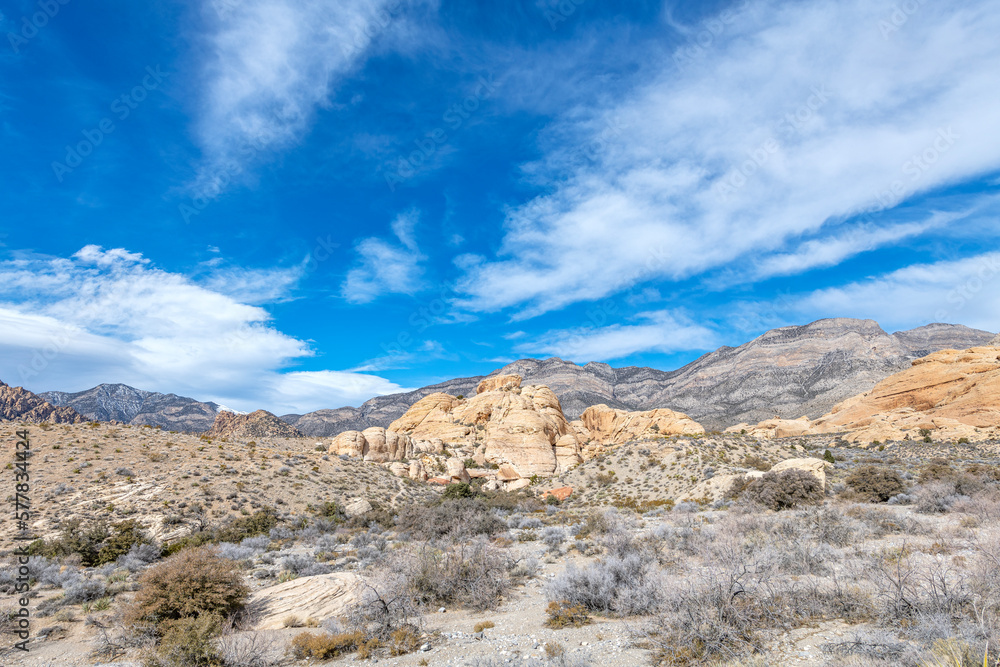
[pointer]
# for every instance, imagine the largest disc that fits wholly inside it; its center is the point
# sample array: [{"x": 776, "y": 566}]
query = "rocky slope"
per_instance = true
[
  {"x": 788, "y": 372},
  {"x": 120, "y": 402},
  {"x": 256, "y": 425},
  {"x": 17, "y": 403}
]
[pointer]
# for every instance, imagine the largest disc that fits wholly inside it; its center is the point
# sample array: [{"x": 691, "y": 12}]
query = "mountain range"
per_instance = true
[
  {"x": 120, "y": 402},
  {"x": 787, "y": 372}
]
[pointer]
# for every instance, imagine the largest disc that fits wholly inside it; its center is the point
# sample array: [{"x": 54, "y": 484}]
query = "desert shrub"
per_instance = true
[
  {"x": 258, "y": 523},
  {"x": 139, "y": 557},
  {"x": 756, "y": 462},
  {"x": 784, "y": 490},
  {"x": 385, "y": 604},
  {"x": 77, "y": 538},
  {"x": 935, "y": 470},
  {"x": 874, "y": 484},
  {"x": 193, "y": 583},
  {"x": 124, "y": 536},
  {"x": 189, "y": 642},
  {"x": 476, "y": 574},
  {"x": 84, "y": 590},
  {"x": 326, "y": 646},
  {"x": 304, "y": 566},
  {"x": 620, "y": 585},
  {"x": 564, "y": 614},
  {"x": 331, "y": 510},
  {"x": 935, "y": 497},
  {"x": 553, "y": 537},
  {"x": 458, "y": 490},
  {"x": 457, "y": 518}
]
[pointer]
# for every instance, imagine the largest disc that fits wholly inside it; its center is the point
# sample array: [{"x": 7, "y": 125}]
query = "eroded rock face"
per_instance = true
[
  {"x": 257, "y": 424},
  {"x": 17, "y": 403},
  {"x": 610, "y": 426},
  {"x": 374, "y": 444},
  {"x": 520, "y": 429},
  {"x": 953, "y": 394},
  {"x": 775, "y": 428}
]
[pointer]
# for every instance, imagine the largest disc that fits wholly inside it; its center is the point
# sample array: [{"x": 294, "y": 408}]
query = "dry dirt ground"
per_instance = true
[{"x": 174, "y": 483}]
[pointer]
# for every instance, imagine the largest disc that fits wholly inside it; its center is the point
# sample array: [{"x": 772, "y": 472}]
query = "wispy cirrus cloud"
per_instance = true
[
  {"x": 655, "y": 331},
  {"x": 270, "y": 66},
  {"x": 776, "y": 133},
  {"x": 385, "y": 267}
]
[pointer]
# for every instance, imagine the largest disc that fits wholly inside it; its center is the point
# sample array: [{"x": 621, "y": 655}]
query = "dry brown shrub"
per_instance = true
[
  {"x": 874, "y": 484},
  {"x": 190, "y": 584}
]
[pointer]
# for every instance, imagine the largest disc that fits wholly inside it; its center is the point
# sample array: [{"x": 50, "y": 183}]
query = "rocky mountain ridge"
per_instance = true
[
  {"x": 19, "y": 404},
  {"x": 788, "y": 372},
  {"x": 120, "y": 402}
]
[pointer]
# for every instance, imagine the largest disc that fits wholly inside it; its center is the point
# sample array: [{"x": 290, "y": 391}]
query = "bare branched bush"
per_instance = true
[
  {"x": 477, "y": 574},
  {"x": 783, "y": 490}
]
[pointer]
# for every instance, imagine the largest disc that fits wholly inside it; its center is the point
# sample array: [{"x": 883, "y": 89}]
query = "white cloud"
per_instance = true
[
  {"x": 385, "y": 267},
  {"x": 701, "y": 166},
  {"x": 110, "y": 316},
  {"x": 662, "y": 331},
  {"x": 965, "y": 291},
  {"x": 269, "y": 65},
  {"x": 253, "y": 286}
]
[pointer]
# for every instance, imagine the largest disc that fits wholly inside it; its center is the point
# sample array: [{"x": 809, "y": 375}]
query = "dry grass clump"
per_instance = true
[
  {"x": 565, "y": 614},
  {"x": 326, "y": 646}
]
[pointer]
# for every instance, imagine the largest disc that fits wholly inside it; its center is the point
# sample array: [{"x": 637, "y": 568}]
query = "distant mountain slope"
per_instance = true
[
  {"x": 120, "y": 402},
  {"x": 19, "y": 404},
  {"x": 790, "y": 372}
]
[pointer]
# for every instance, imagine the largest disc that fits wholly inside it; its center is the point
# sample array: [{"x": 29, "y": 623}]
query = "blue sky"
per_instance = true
[{"x": 301, "y": 204}]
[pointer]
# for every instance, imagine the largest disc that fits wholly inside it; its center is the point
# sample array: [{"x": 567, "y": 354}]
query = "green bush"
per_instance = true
[
  {"x": 126, "y": 534},
  {"x": 189, "y": 642},
  {"x": 458, "y": 490}
]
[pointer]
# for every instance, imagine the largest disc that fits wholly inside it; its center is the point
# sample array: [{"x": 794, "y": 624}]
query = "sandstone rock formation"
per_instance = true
[
  {"x": 816, "y": 467},
  {"x": 560, "y": 494},
  {"x": 258, "y": 424},
  {"x": 520, "y": 429},
  {"x": 610, "y": 426},
  {"x": 17, "y": 403},
  {"x": 120, "y": 402},
  {"x": 775, "y": 428},
  {"x": 316, "y": 597},
  {"x": 373, "y": 444},
  {"x": 791, "y": 371},
  {"x": 953, "y": 394}
]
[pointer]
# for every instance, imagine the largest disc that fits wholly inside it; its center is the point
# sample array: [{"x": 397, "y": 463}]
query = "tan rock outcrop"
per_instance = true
[
  {"x": 499, "y": 383},
  {"x": 317, "y": 597},
  {"x": 562, "y": 493},
  {"x": 775, "y": 428},
  {"x": 456, "y": 471},
  {"x": 817, "y": 467},
  {"x": 953, "y": 393},
  {"x": 373, "y": 444},
  {"x": 417, "y": 471},
  {"x": 521, "y": 429},
  {"x": 611, "y": 426}
]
